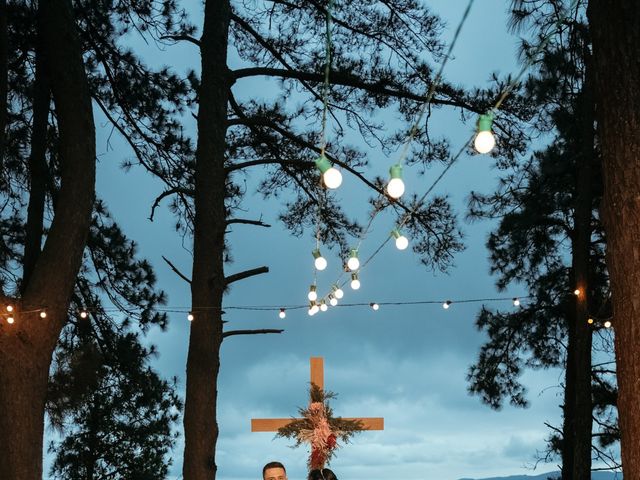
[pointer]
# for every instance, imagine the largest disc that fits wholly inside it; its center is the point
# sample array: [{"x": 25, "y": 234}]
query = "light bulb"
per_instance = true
[
  {"x": 484, "y": 141},
  {"x": 607, "y": 324},
  {"x": 282, "y": 313},
  {"x": 333, "y": 301},
  {"x": 590, "y": 321},
  {"x": 337, "y": 291},
  {"x": 83, "y": 314},
  {"x": 516, "y": 302},
  {"x": 313, "y": 294},
  {"x": 332, "y": 178},
  {"x": 576, "y": 292},
  {"x": 395, "y": 187},
  {"x": 313, "y": 309},
  {"x": 355, "y": 282},
  {"x": 446, "y": 304},
  {"x": 9, "y": 319},
  {"x": 374, "y": 305},
  {"x": 43, "y": 314},
  {"x": 330, "y": 175},
  {"x": 402, "y": 242},
  {"x": 353, "y": 263},
  {"x": 190, "y": 317},
  {"x": 323, "y": 306},
  {"x": 9, "y": 308},
  {"x": 319, "y": 262}
]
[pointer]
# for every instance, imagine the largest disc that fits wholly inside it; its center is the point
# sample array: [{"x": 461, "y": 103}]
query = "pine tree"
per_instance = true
[{"x": 550, "y": 239}]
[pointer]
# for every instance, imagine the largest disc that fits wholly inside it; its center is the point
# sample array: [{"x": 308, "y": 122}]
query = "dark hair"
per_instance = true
[
  {"x": 324, "y": 474},
  {"x": 273, "y": 465}
]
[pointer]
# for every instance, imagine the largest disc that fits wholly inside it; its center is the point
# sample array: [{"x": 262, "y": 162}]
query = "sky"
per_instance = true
[{"x": 407, "y": 364}]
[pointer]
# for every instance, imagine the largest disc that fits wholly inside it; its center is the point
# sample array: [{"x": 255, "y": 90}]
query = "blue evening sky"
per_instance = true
[{"x": 405, "y": 363}]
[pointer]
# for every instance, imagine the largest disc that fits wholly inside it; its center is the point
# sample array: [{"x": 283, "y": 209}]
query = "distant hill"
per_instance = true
[{"x": 554, "y": 475}]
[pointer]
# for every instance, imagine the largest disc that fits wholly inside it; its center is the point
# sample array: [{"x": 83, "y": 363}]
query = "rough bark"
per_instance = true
[
  {"x": 26, "y": 347},
  {"x": 616, "y": 50},
  {"x": 207, "y": 280},
  {"x": 37, "y": 168}
]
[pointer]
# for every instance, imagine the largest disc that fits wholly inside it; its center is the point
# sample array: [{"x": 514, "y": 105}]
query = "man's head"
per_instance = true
[{"x": 274, "y": 471}]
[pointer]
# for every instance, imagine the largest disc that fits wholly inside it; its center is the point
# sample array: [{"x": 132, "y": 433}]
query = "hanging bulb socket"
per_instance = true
[
  {"x": 330, "y": 175},
  {"x": 313, "y": 293},
  {"x": 323, "y": 305},
  {"x": 485, "y": 141},
  {"x": 447, "y": 304},
  {"x": 516, "y": 302},
  {"x": 395, "y": 187},
  {"x": 401, "y": 241},
  {"x": 337, "y": 291},
  {"x": 355, "y": 281},
  {"x": 320, "y": 262},
  {"x": 374, "y": 306},
  {"x": 353, "y": 263},
  {"x": 283, "y": 313},
  {"x": 333, "y": 301}
]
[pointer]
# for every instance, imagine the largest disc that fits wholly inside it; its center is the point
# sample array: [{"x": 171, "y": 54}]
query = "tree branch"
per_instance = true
[
  {"x": 251, "y": 332},
  {"x": 175, "y": 269},
  {"x": 246, "y": 221},
  {"x": 245, "y": 274},
  {"x": 166, "y": 193},
  {"x": 186, "y": 38}
]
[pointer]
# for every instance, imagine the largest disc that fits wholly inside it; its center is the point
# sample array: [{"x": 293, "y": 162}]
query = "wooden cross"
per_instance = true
[{"x": 317, "y": 378}]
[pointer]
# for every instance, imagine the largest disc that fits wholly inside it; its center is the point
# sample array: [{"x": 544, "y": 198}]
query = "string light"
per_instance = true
[
  {"x": 9, "y": 308},
  {"x": 577, "y": 292},
  {"x": 313, "y": 309},
  {"x": 607, "y": 324},
  {"x": 353, "y": 263},
  {"x": 323, "y": 306},
  {"x": 355, "y": 281},
  {"x": 447, "y": 304},
  {"x": 83, "y": 314},
  {"x": 485, "y": 141},
  {"x": 313, "y": 294},
  {"x": 374, "y": 306},
  {"x": 330, "y": 175},
  {"x": 190, "y": 317},
  {"x": 333, "y": 301},
  {"x": 516, "y": 302},
  {"x": 43, "y": 314},
  {"x": 10, "y": 320},
  {"x": 320, "y": 262},
  {"x": 395, "y": 187},
  {"x": 402, "y": 242},
  {"x": 590, "y": 321},
  {"x": 337, "y": 291},
  {"x": 282, "y": 313}
]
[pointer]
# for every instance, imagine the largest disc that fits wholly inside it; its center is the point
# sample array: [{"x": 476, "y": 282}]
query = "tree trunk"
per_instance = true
[
  {"x": 37, "y": 168},
  {"x": 568, "y": 423},
  {"x": 581, "y": 246},
  {"x": 26, "y": 347},
  {"x": 207, "y": 282},
  {"x": 616, "y": 46}
]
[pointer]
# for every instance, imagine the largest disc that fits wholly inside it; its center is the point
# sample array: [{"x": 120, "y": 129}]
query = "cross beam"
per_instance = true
[{"x": 317, "y": 378}]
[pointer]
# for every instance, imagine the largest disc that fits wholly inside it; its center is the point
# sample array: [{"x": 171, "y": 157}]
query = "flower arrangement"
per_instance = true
[{"x": 319, "y": 428}]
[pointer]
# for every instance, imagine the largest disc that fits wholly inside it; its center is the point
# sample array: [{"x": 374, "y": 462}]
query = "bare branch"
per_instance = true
[
  {"x": 166, "y": 193},
  {"x": 246, "y": 221},
  {"x": 245, "y": 274},
  {"x": 175, "y": 269},
  {"x": 186, "y": 38},
  {"x": 251, "y": 332}
]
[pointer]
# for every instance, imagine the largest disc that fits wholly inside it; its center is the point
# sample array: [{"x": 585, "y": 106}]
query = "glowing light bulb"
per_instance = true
[
  {"x": 313, "y": 309},
  {"x": 485, "y": 141},
  {"x": 590, "y": 321},
  {"x": 43, "y": 314},
  {"x": 577, "y": 292},
  {"x": 516, "y": 302},
  {"x": 320, "y": 262},
  {"x": 395, "y": 187},
  {"x": 9, "y": 308},
  {"x": 353, "y": 263},
  {"x": 607, "y": 324},
  {"x": 402, "y": 242},
  {"x": 375, "y": 306},
  {"x": 337, "y": 291},
  {"x": 333, "y": 301},
  {"x": 83, "y": 314},
  {"x": 313, "y": 294},
  {"x": 190, "y": 317},
  {"x": 355, "y": 281},
  {"x": 330, "y": 175},
  {"x": 446, "y": 304},
  {"x": 10, "y": 320},
  {"x": 323, "y": 306},
  {"x": 282, "y": 313}
]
